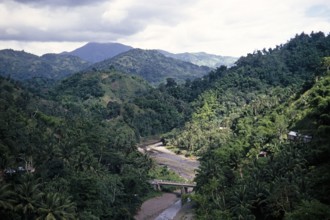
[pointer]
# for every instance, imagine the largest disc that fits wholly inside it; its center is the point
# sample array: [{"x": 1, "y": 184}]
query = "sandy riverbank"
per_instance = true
[
  {"x": 151, "y": 208},
  {"x": 180, "y": 164}
]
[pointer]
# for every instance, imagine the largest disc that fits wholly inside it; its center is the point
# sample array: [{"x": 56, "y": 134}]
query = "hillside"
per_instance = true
[
  {"x": 203, "y": 59},
  {"x": 20, "y": 65},
  {"x": 68, "y": 157},
  {"x": 262, "y": 171},
  {"x": 95, "y": 52},
  {"x": 104, "y": 86},
  {"x": 152, "y": 66},
  {"x": 251, "y": 168},
  {"x": 74, "y": 146},
  {"x": 123, "y": 98}
]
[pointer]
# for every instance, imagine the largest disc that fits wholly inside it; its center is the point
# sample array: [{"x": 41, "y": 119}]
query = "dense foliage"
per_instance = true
[
  {"x": 124, "y": 99},
  {"x": 62, "y": 161},
  {"x": 69, "y": 151},
  {"x": 249, "y": 168},
  {"x": 245, "y": 184}
]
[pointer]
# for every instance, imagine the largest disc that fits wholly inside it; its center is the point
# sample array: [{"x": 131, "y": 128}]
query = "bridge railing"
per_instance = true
[{"x": 174, "y": 183}]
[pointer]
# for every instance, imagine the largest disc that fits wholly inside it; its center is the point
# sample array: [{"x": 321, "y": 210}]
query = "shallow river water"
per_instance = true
[{"x": 170, "y": 212}]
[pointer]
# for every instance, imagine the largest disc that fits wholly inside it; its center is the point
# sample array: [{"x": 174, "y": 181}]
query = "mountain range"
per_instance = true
[
  {"x": 96, "y": 52},
  {"x": 155, "y": 66},
  {"x": 202, "y": 58}
]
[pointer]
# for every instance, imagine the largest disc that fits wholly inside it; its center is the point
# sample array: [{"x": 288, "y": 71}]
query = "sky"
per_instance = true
[{"x": 223, "y": 27}]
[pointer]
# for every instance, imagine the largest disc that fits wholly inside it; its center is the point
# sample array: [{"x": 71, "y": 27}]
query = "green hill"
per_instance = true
[
  {"x": 104, "y": 86},
  {"x": 152, "y": 66},
  {"x": 240, "y": 129},
  {"x": 260, "y": 171},
  {"x": 123, "y": 98},
  {"x": 20, "y": 65}
]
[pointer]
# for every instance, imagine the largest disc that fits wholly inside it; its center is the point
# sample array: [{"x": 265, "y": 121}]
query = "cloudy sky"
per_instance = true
[{"x": 224, "y": 27}]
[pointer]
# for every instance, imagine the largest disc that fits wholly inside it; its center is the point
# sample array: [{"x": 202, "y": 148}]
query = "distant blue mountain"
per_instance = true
[
  {"x": 203, "y": 59},
  {"x": 96, "y": 52}
]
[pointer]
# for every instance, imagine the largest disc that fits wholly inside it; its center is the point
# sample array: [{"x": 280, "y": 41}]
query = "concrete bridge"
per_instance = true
[{"x": 184, "y": 186}]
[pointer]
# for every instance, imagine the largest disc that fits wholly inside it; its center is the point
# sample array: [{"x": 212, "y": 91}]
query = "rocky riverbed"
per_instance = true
[{"x": 154, "y": 208}]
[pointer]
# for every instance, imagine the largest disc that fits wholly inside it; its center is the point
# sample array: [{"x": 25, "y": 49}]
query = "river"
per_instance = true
[{"x": 168, "y": 205}]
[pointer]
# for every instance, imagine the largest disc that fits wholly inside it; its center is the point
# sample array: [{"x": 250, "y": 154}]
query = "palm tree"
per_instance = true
[
  {"x": 240, "y": 203},
  {"x": 5, "y": 196},
  {"x": 28, "y": 197},
  {"x": 55, "y": 206},
  {"x": 82, "y": 159},
  {"x": 6, "y": 201}
]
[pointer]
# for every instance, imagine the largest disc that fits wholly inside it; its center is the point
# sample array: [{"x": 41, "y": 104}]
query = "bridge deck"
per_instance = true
[{"x": 171, "y": 183}]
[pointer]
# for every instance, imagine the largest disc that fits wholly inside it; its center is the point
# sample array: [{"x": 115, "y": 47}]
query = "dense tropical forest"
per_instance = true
[
  {"x": 70, "y": 151},
  {"x": 251, "y": 166},
  {"x": 68, "y": 147}
]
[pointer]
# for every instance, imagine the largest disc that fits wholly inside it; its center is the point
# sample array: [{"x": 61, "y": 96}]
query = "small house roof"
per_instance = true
[{"x": 293, "y": 133}]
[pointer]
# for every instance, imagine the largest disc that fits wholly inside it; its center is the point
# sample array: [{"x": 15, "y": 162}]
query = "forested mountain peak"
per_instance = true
[
  {"x": 96, "y": 52},
  {"x": 13, "y": 53},
  {"x": 152, "y": 66}
]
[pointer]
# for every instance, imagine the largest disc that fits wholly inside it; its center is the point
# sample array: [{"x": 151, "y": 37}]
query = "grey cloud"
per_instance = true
[
  {"x": 87, "y": 27},
  {"x": 90, "y": 25},
  {"x": 97, "y": 33},
  {"x": 85, "y": 24},
  {"x": 58, "y": 3}
]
